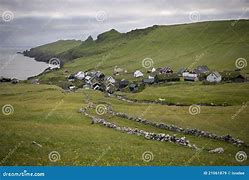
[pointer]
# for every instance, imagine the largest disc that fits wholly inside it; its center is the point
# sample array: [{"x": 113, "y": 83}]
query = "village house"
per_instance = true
[
  {"x": 201, "y": 70},
  {"x": 214, "y": 77},
  {"x": 133, "y": 87},
  {"x": 110, "y": 88},
  {"x": 99, "y": 75},
  {"x": 189, "y": 76},
  {"x": 123, "y": 83},
  {"x": 138, "y": 73},
  {"x": 110, "y": 79},
  {"x": 148, "y": 81},
  {"x": 88, "y": 79},
  {"x": 71, "y": 78},
  {"x": 97, "y": 85},
  {"x": 165, "y": 70},
  {"x": 80, "y": 75}
]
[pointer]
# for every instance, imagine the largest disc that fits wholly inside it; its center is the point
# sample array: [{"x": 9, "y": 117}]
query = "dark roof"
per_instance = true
[
  {"x": 201, "y": 69},
  {"x": 165, "y": 70},
  {"x": 133, "y": 85},
  {"x": 167, "y": 77},
  {"x": 123, "y": 83},
  {"x": 149, "y": 81},
  {"x": 100, "y": 74},
  {"x": 71, "y": 76}
]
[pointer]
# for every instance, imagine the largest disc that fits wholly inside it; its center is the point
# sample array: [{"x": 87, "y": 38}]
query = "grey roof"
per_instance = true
[
  {"x": 148, "y": 81},
  {"x": 216, "y": 74},
  {"x": 201, "y": 69}
]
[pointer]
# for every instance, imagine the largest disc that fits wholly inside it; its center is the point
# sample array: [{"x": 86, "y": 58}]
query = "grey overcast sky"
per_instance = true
[{"x": 28, "y": 23}]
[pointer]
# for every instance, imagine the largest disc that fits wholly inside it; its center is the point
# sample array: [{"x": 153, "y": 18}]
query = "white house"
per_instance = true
[
  {"x": 80, "y": 75},
  {"x": 138, "y": 73},
  {"x": 188, "y": 76},
  {"x": 88, "y": 79},
  {"x": 111, "y": 79},
  {"x": 214, "y": 77}
]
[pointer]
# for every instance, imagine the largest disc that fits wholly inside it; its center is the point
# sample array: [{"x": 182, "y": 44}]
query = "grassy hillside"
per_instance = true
[
  {"x": 56, "y": 49},
  {"x": 47, "y": 115},
  {"x": 192, "y": 93},
  {"x": 215, "y": 44}
]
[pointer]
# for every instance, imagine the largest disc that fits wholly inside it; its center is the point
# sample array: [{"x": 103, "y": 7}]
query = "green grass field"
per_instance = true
[{"x": 49, "y": 116}]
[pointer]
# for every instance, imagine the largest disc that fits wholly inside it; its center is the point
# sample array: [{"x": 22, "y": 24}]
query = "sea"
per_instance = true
[{"x": 16, "y": 65}]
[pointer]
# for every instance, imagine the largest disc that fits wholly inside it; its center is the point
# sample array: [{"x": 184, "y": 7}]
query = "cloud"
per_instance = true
[{"x": 42, "y": 21}]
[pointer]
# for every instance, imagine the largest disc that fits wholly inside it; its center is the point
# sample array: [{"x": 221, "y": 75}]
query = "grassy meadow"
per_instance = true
[{"x": 49, "y": 116}]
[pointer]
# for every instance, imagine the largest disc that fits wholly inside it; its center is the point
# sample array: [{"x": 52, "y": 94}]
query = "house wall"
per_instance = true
[{"x": 213, "y": 78}]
